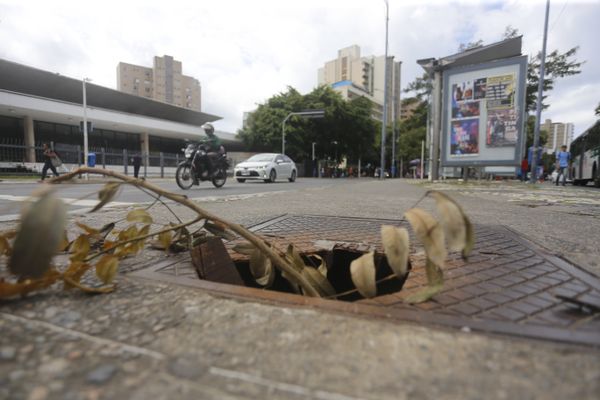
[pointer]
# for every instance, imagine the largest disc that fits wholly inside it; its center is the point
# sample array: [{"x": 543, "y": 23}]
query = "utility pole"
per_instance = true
[
  {"x": 538, "y": 108},
  {"x": 385, "y": 95},
  {"x": 85, "y": 126}
]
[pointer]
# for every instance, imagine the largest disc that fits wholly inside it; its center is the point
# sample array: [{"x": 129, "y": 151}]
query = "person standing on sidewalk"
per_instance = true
[
  {"x": 49, "y": 155},
  {"x": 136, "y": 160},
  {"x": 524, "y": 169},
  {"x": 563, "y": 157}
]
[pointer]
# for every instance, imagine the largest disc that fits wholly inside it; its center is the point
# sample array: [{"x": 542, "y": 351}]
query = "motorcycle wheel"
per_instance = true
[
  {"x": 220, "y": 178},
  {"x": 183, "y": 176}
]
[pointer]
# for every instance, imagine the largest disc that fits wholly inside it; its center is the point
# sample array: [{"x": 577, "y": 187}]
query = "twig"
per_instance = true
[
  {"x": 138, "y": 238},
  {"x": 276, "y": 258}
]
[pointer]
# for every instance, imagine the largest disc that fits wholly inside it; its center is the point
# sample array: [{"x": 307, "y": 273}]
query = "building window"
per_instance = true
[
  {"x": 147, "y": 90},
  {"x": 147, "y": 82},
  {"x": 137, "y": 80}
]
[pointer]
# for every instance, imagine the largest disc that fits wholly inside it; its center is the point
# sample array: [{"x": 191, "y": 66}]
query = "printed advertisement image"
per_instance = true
[
  {"x": 500, "y": 92},
  {"x": 465, "y": 109},
  {"x": 480, "y": 88},
  {"x": 502, "y": 128},
  {"x": 462, "y": 91},
  {"x": 464, "y": 137}
]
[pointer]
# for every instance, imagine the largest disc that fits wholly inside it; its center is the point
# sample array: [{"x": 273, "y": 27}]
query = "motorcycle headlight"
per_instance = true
[{"x": 188, "y": 152}]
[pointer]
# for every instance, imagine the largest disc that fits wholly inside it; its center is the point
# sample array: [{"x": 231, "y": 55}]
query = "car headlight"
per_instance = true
[{"x": 261, "y": 167}]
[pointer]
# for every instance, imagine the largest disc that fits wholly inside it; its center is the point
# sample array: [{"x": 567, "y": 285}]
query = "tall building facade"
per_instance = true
[
  {"x": 353, "y": 75},
  {"x": 163, "y": 82},
  {"x": 558, "y": 134}
]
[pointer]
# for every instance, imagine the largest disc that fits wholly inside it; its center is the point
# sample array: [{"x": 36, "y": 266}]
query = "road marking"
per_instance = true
[
  {"x": 86, "y": 205},
  {"x": 69, "y": 201}
]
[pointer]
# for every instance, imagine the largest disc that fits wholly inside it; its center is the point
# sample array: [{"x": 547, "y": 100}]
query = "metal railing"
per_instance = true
[{"x": 16, "y": 158}]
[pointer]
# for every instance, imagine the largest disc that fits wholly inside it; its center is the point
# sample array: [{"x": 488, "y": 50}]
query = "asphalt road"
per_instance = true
[{"x": 13, "y": 194}]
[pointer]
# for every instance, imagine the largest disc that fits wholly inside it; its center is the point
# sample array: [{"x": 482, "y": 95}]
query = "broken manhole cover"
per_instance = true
[{"x": 508, "y": 286}]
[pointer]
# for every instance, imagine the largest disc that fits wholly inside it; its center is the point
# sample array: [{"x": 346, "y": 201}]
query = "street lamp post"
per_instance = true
[
  {"x": 85, "y": 126},
  {"x": 385, "y": 94},
  {"x": 305, "y": 114}
]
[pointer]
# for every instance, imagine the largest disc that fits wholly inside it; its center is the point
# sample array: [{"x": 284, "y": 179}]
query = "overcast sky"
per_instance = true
[{"x": 244, "y": 51}]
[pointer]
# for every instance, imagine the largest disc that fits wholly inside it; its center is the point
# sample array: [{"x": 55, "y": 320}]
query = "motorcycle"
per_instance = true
[{"x": 197, "y": 167}]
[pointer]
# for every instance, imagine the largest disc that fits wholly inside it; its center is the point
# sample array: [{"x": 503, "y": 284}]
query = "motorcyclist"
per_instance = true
[{"x": 213, "y": 148}]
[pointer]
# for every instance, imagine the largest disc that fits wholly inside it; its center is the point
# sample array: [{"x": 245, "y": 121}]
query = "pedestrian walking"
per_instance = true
[
  {"x": 524, "y": 169},
  {"x": 563, "y": 158},
  {"x": 136, "y": 160},
  {"x": 50, "y": 160}
]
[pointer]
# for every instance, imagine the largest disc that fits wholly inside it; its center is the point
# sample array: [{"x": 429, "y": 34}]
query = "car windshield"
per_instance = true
[{"x": 261, "y": 157}]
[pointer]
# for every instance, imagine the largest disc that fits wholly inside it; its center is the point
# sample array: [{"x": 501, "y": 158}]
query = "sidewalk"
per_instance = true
[{"x": 160, "y": 341}]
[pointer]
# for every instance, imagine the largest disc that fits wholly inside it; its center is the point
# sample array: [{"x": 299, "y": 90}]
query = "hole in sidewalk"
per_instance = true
[{"x": 338, "y": 262}]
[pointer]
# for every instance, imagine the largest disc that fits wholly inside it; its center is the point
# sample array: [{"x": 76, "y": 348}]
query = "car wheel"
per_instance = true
[
  {"x": 241, "y": 180},
  {"x": 293, "y": 177},
  {"x": 272, "y": 176}
]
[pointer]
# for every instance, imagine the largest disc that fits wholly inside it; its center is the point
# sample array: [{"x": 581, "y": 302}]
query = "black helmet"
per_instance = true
[{"x": 208, "y": 129}]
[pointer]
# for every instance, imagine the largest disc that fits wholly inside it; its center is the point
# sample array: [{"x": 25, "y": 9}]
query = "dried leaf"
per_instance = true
[
  {"x": 5, "y": 247},
  {"x": 294, "y": 258},
  {"x": 107, "y": 229},
  {"x": 40, "y": 233},
  {"x": 165, "y": 239},
  {"x": 106, "y": 194},
  {"x": 457, "y": 226},
  {"x": 87, "y": 229},
  {"x": 21, "y": 288},
  {"x": 107, "y": 267},
  {"x": 245, "y": 248},
  {"x": 64, "y": 242},
  {"x": 395, "y": 246},
  {"x": 435, "y": 280},
  {"x": 262, "y": 269},
  {"x": 80, "y": 248},
  {"x": 362, "y": 272},
  {"x": 219, "y": 230},
  {"x": 430, "y": 233},
  {"x": 128, "y": 233},
  {"x": 75, "y": 271},
  {"x": 139, "y": 215},
  {"x": 322, "y": 268},
  {"x": 318, "y": 282}
]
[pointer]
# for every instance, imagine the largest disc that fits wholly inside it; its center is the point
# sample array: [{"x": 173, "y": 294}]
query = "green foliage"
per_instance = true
[
  {"x": 412, "y": 131},
  {"x": 421, "y": 87},
  {"x": 349, "y": 123},
  {"x": 597, "y": 110},
  {"x": 558, "y": 65},
  {"x": 530, "y": 129}
]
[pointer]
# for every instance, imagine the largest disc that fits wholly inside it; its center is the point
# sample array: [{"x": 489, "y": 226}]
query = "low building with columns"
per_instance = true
[{"x": 38, "y": 106}]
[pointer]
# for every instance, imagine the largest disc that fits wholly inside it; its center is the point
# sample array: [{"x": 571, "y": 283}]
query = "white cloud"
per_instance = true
[{"x": 243, "y": 52}]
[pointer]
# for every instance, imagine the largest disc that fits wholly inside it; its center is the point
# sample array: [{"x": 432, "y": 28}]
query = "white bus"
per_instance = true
[{"x": 585, "y": 151}]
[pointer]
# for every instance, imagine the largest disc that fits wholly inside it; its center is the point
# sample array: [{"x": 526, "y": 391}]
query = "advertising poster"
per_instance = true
[
  {"x": 462, "y": 91},
  {"x": 464, "y": 137},
  {"x": 502, "y": 128},
  {"x": 500, "y": 92},
  {"x": 465, "y": 109},
  {"x": 480, "y": 88}
]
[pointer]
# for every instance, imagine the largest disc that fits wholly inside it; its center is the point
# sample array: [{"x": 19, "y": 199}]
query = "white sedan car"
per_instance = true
[{"x": 266, "y": 166}]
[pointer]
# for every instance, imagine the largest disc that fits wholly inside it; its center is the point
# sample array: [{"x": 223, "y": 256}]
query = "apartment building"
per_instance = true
[
  {"x": 350, "y": 73},
  {"x": 163, "y": 82},
  {"x": 558, "y": 134}
]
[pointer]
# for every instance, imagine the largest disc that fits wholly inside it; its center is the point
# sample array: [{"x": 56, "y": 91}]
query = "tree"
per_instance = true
[
  {"x": 346, "y": 130},
  {"x": 597, "y": 111},
  {"x": 421, "y": 87},
  {"x": 558, "y": 65},
  {"x": 468, "y": 46}
]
